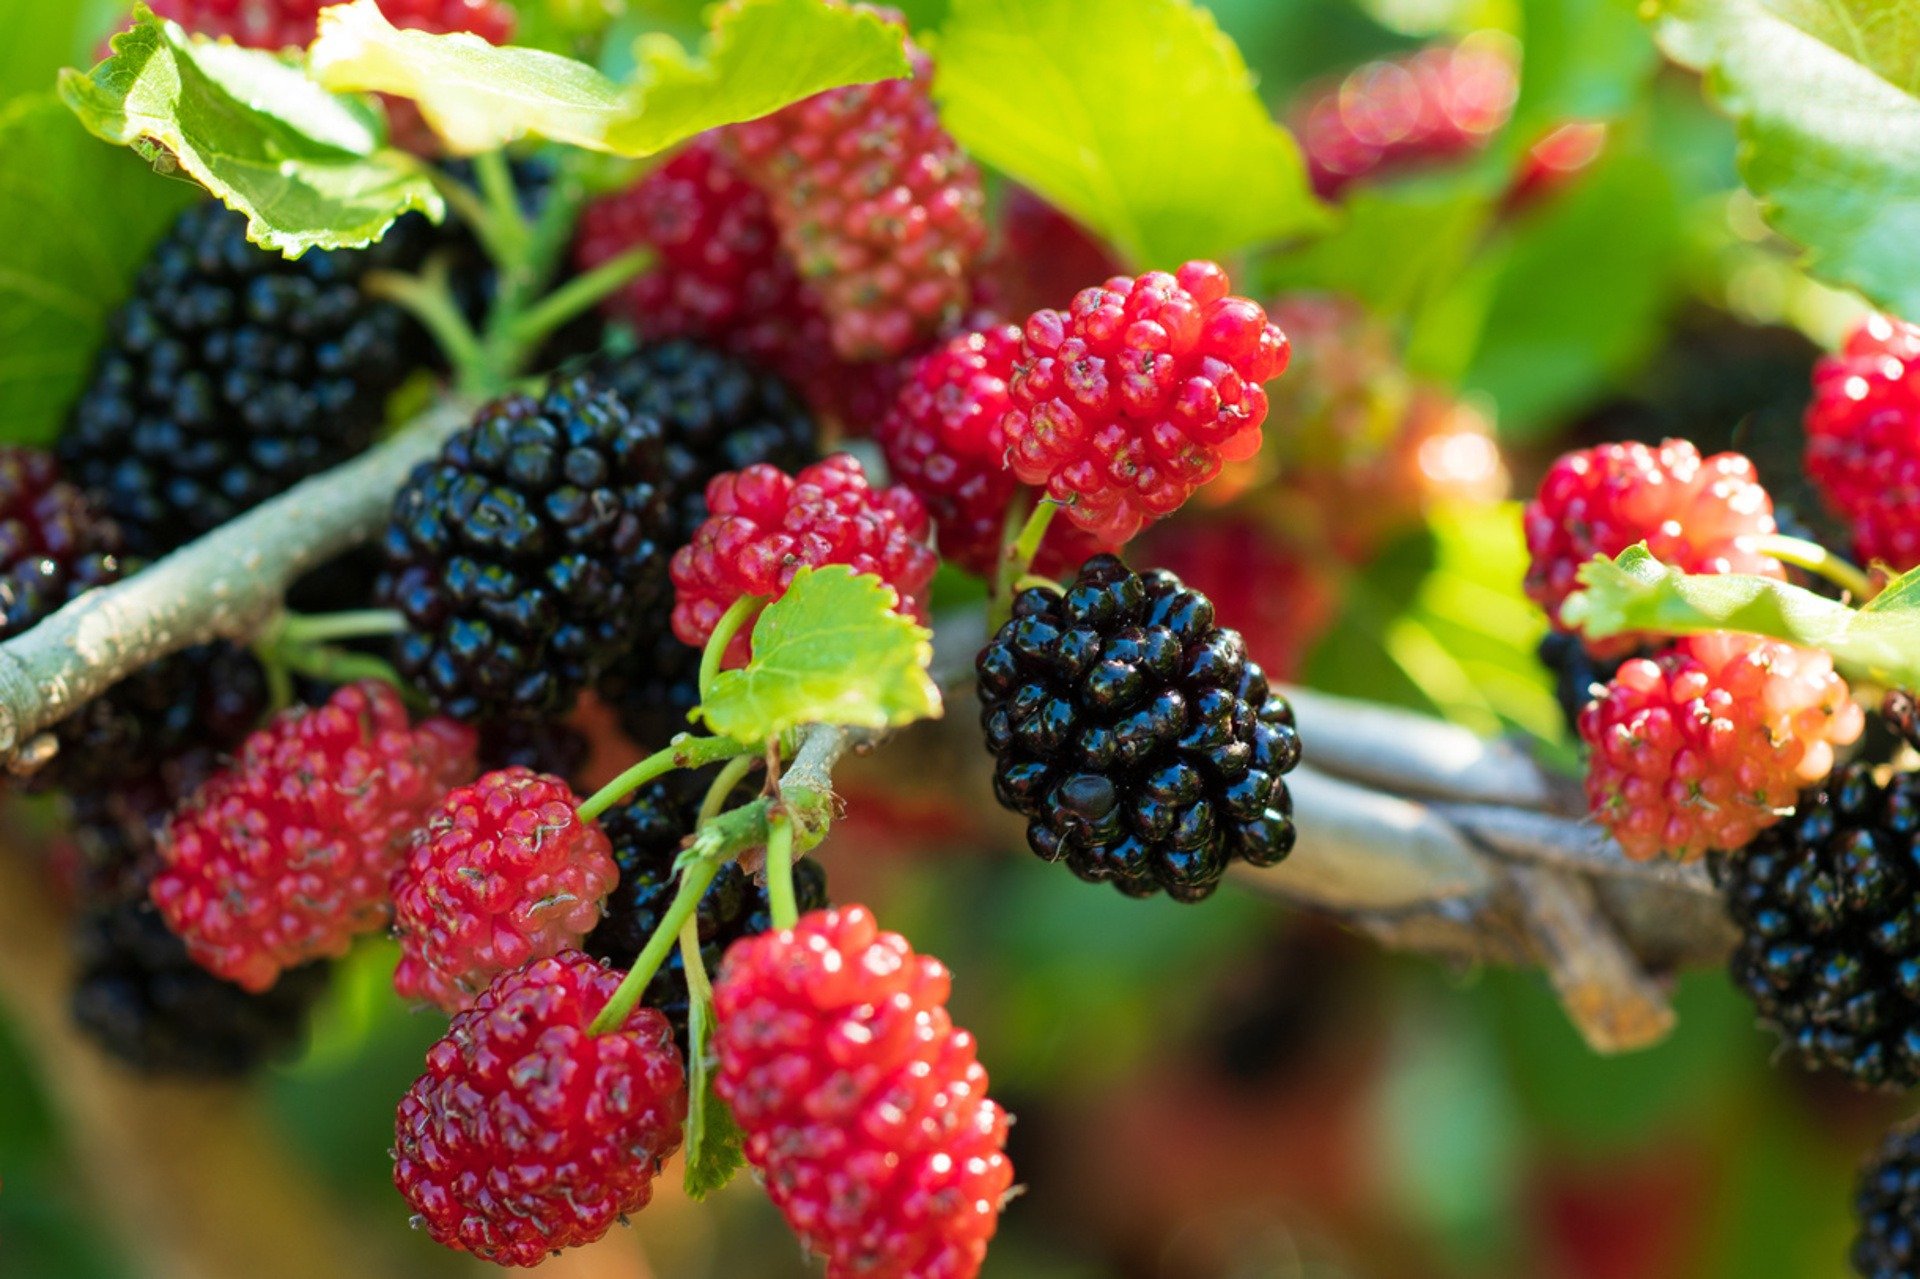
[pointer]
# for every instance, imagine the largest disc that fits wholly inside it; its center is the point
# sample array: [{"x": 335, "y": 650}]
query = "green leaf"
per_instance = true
[
  {"x": 714, "y": 1140},
  {"x": 1636, "y": 592},
  {"x": 761, "y": 55},
  {"x": 1138, "y": 119},
  {"x": 77, "y": 218},
  {"x": 1827, "y": 101},
  {"x": 832, "y": 650},
  {"x": 307, "y": 168}
]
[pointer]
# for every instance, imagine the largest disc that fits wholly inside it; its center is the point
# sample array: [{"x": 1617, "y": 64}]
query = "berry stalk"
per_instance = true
[
  {"x": 687, "y": 752},
  {"x": 578, "y": 295},
  {"x": 723, "y": 784},
  {"x": 1021, "y": 548},
  {"x": 678, "y": 915},
  {"x": 737, "y": 615},
  {"x": 786, "y": 913},
  {"x": 300, "y": 630},
  {"x": 1815, "y": 558}
]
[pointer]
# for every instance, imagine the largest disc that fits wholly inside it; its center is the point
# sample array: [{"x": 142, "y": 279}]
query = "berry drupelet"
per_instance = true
[
  {"x": 232, "y": 372},
  {"x": 142, "y": 998},
  {"x": 1133, "y": 734},
  {"x": 291, "y": 24},
  {"x": 285, "y": 856},
  {"x": 1828, "y": 907},
  {"x": 716, "y": 414},
  {"x": 943, "y": 439},
  {"x": 646, "y": 832},
  {"x": 503, "y": 872},
  {"x": 1705, "y": 746},
  {"x": 1699, "y": 515},
  {"x": 1886, "y": 1203},
  {"x": 525, "y": 556},
  {"x": 877, "y": 206},
  {"x": 1863, "y": 438},
  {"x": 528, "y": 1133},
  {"x": 764, "y": 526},
  {"x": 1131, "y": 399},
  {"x": 864, "y": 1108}
]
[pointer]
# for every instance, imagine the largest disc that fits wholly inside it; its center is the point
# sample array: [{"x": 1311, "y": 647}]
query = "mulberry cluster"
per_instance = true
[
  {"x": 1131, "y": 399},
  {"x": 1863, "y": 438},
  {"x": 231, "y": 373},
  {"x": 877, "y": 206},
  {"x": 503, "y": 872},
  {"x": 864, "y": 1107},
  {"x": 1697, "y": 515},
  {"x": 943, "y": 439},
  {"x": 647, "y": 832},
  {"x": 524, "y": 557},
  {"x": 1828, "y": 907},
  {"x": 1704, "y": 747},
  {"x": 285, "y": 856},
  {"x": 764, "y": 526},
  {"x": 291, "y": 24},
  {"x": 528, "y": 1133},
  {"x": 1135, "y": 737},
  {"x": 1391, "y": 115}
]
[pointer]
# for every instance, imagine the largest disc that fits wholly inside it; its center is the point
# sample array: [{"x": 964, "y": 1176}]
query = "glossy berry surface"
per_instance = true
[
  {"x": 53, "y": 544},
  {"x": 1277, "y": 595},
  {"x": 142, "y": 999},
  {"x": 1828, "y": 907},
  {"x": 286, "y": 24},
  {"x": 1863, "y": 438},
  {"x": 1704, "y": 747},
  {"x": 1134, "y": 735},
  {"x": 716, "y": 414},
  {"x": 231, "y": 372},
  {"x": 942, "y": 438},
  {"x": 877, "y": 206},
  {"x": 503, "y": 872},
  {"x": 1699, "y": 515},
  {"x": 1886, "y": 1204},
  {"x": 1133, "y": 397},
  {"x": 1391, "y": 115},
  {"x": 525, "y": 556},
  {"x": 647, "y": 832},
  {"x": 764, "y": 525},
  {"x": 865, "y": 1109},
  {"x": 285, "y": 855},
  {"x": 527, "y": 1134}
]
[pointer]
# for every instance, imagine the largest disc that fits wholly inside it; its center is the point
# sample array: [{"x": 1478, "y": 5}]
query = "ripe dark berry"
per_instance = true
[
  {"x": 1704, "y": 747},
  {"x": 765, "y": 525},
  {"x": 543, "y": 745},
  {"x": 877, "y": 206},
  {"x": 53, "y": 544},
  {"x": 1828, "y": 907},
  {"x": 1132, "y": 398},
  {"x": 528, "y": 1133},
  {"x": 1280, "y": 597},
  {"x": 139, "y": 996},
  {"x": 287, "y": 24},
  {"x": 1862, "y": 448},
  {"x": 647, "y": 832},
  {"x": 231, "y": 373},
  {"x": 1578, "y": 676},
  {"x": 503, "y": 872},
  {"x": 525, "y": 556},
  {"x": 652, "y": 688},
  {"x": 716, "y": 414},
  {"x": 1387, "y": 116},
  {"x": 1695, "y": 515},
  {"x": 864, "y": 1108},
  {"x": 285, "y": 856},
  {"x": 1886, "y": 1203},
  {"x": 1133, "y": 734},
  {"x": 942, "y": 439}
]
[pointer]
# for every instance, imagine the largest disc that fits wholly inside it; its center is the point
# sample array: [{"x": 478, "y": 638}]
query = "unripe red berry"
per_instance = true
[{"x": 1863, "y": 438}]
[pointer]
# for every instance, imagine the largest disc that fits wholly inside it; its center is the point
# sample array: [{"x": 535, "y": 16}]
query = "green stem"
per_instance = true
[
  {"x": 699, "y": 985},
  {"x": 279, "y": 678},
  {"x": 723, "y": 784},
  {"x": 721, "y": 640},
  {"x": 693, "y": 885},
  {"x": 780, "y": 900},
  {"x": 577, "y": 295},
  {"x": 1016, "y": 557},
  {"x": 503, "y": 205},
  {"x": 429, "y": 300},
  {"x": 1816, "y": 558},
  {"x": 300, "y": 629},
  {"x": 472, "y": 210},
  {"x": 683, "y": 752}
]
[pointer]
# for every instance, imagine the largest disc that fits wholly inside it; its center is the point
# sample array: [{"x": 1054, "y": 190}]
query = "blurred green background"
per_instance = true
[{"x": 1241, "y": 1089}]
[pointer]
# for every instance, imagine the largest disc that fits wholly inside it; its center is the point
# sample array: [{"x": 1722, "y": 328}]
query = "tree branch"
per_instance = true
[{"x": 226, "y": 585}]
